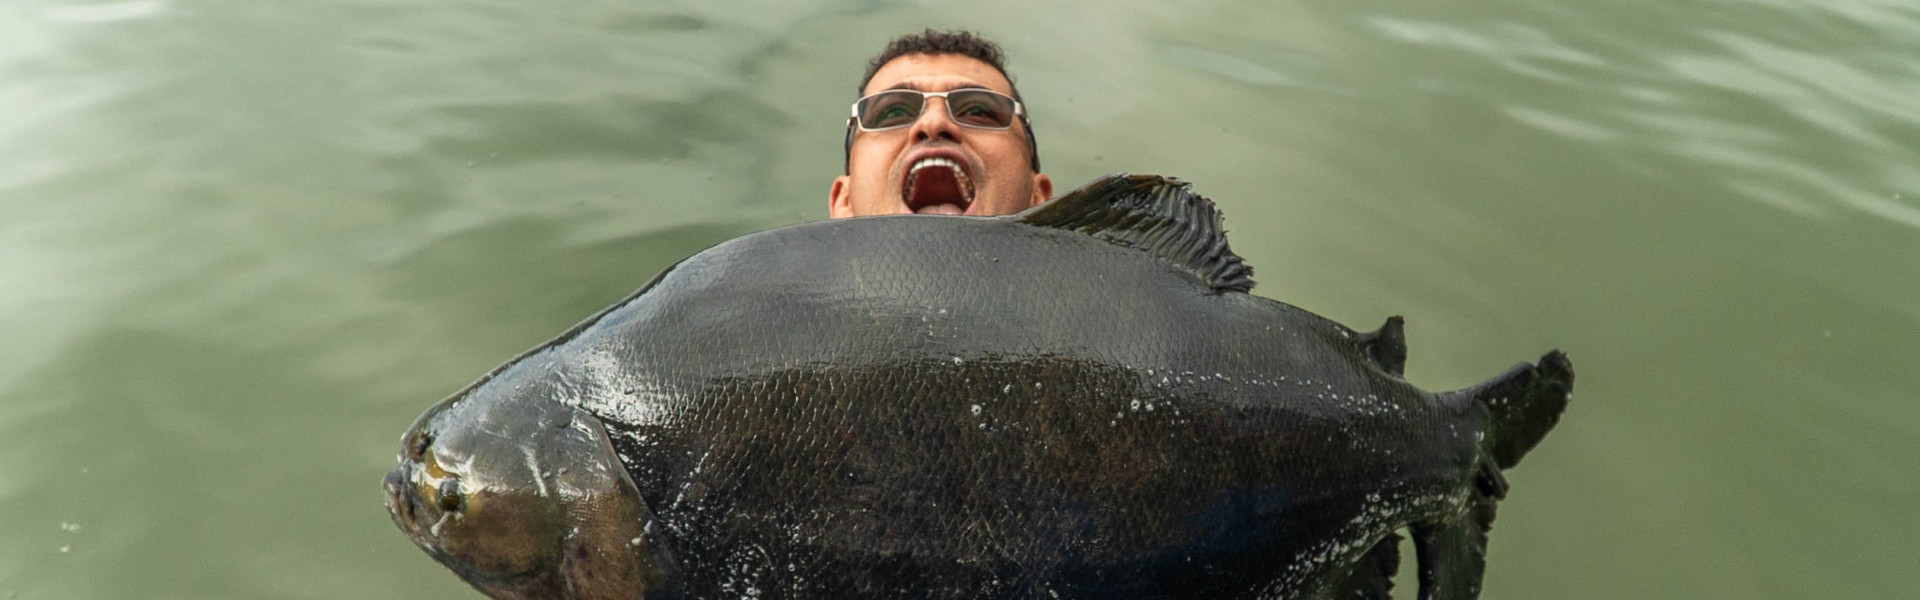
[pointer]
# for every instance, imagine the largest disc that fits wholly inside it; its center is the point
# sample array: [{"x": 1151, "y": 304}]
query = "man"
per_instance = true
[{"x": 938, "y": 129}]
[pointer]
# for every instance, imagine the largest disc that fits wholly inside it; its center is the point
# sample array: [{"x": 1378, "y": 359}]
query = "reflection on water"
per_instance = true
[{"x": 244, "y": 246}]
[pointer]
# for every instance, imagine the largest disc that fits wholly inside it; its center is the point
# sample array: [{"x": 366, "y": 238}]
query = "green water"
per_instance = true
[{"x": 243, "y": 244}]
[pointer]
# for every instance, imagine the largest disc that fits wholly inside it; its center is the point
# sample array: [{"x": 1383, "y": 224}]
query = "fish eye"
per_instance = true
[
  {"x": 450, "y": 498},
  {"x": 417, "y": 446}
]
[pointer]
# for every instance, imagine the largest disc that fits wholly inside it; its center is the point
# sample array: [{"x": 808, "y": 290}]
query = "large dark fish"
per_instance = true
[{"x": 1079, "y": 401}]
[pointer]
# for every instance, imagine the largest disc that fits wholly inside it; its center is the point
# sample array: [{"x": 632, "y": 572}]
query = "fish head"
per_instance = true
[{"x": 523, "y": 497}]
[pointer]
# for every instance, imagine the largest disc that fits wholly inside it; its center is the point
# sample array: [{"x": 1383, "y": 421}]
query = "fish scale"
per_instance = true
[{"x": 1080, "y": 401}]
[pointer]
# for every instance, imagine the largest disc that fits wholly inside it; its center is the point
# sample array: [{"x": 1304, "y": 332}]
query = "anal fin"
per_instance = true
[
  {"x": 1371, "y": 577},
  {"x": 1453, "y": 552}
]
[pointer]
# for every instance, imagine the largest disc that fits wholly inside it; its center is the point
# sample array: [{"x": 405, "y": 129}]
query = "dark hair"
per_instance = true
[
  {"x": 961, "y": 42},
  {"x": 964, "y": 43}
]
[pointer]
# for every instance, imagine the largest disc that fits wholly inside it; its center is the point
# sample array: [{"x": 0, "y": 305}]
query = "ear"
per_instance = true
[
  {"x": 840, "y": 198},
  {"x": 1042, "y": 189}
]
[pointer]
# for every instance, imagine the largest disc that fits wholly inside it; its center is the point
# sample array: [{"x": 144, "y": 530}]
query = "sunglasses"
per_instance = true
[
  {"x": 976, "y": 108},
  {"x": 970, "y": 107}
]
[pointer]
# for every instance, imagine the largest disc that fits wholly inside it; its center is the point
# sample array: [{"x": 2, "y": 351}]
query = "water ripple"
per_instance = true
[
  {"x": 1514, "y": 46},
  {"x": 1231, "y": 67},
  {"x": 106, "y": 13}
]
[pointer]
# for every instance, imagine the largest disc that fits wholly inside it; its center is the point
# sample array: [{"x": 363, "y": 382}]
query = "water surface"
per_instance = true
[{"x": 244, "y": 244}]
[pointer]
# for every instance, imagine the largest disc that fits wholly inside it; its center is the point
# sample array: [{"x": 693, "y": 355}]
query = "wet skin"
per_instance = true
[
  {"x": 964, "y": 408},
  {"x": 994, "y": 164}
]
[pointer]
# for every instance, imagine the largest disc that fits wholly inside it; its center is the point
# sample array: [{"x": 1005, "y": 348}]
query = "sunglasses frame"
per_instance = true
[{"x": 1019, "y": 110}]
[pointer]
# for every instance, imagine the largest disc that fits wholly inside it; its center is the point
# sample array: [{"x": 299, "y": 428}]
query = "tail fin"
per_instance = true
[{"x": 1523, "y": 404}]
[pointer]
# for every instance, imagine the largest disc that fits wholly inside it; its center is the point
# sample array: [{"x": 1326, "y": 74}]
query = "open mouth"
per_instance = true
[{"x": 937, "y": 185}]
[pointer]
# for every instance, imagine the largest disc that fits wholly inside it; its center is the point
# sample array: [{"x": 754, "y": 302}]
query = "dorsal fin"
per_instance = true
[{"x": 1153, "y": 214}]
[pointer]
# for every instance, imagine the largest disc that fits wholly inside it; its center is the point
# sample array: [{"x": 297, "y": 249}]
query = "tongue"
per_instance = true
[{"x": 936, "y": 190}]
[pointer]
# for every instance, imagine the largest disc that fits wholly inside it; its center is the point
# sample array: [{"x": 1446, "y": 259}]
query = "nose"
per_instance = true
[{"x": 935, "y": 122}]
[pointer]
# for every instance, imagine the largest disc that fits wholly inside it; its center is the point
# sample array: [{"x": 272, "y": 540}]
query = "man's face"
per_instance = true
[{"x": 961, "y": 170}]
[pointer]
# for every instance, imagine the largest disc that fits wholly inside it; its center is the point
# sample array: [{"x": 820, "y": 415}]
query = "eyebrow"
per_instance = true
[{"x": 964, "y": 86}]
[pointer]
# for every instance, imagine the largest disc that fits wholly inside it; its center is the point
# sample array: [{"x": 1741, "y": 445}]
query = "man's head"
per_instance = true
[{"x": 918, "y": 157}]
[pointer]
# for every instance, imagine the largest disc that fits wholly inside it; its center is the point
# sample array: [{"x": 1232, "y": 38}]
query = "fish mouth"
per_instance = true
[
  {"x": 409, "y": 509},
  {"x": 422, "y": 497},
  {"x": 422, "y": 520},
  {"x": 937, "y": 181}
]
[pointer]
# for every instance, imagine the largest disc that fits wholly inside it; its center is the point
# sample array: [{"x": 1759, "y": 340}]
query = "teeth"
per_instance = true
[
  {"x": 936, "y": 161},
  {"x": 966, "y": 185}
]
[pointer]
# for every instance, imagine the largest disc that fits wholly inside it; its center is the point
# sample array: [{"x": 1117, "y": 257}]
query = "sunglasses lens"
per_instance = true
[
  {"x": 980, "y": 108},
  {"x": 972, "y": 108},
  {"x": 890, "y": 109}
]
